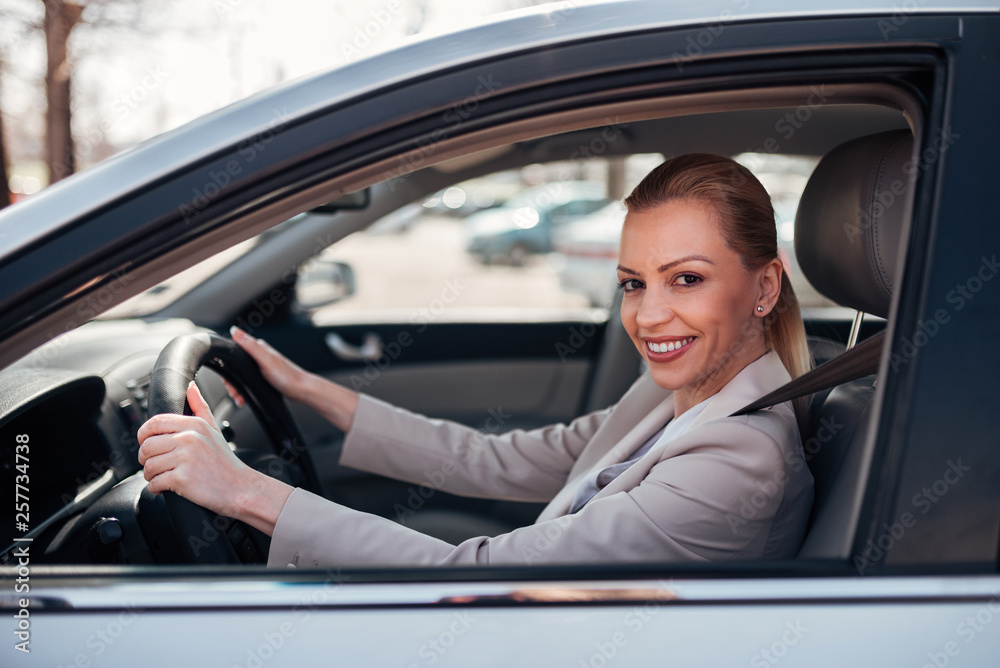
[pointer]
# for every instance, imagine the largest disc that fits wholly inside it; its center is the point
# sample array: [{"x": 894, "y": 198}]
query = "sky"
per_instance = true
[{"x": 194, "y": 56}]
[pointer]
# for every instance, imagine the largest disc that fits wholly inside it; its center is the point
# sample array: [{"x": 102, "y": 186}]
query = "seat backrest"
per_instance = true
[
  {"x": 834, "y": 453},
  {"x": 849, "y": 228}
]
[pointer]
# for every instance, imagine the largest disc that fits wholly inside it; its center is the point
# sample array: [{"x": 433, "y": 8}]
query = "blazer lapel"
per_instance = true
[
  {"x": 646, "y": 427},
  {"x": 758, "y": 378},
  {"x": 764, "y": 375},
  {"x": 761, "y": 376}
]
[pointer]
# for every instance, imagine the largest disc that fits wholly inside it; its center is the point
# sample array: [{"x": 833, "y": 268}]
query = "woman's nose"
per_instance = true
[{"x": 655, "y": 309}]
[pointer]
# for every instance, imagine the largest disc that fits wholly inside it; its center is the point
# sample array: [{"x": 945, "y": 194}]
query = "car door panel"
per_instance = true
[{"x": 489, "y": 376}]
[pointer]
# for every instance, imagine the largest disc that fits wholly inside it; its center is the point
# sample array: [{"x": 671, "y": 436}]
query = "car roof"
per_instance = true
[{"x": 264, "y": 112}]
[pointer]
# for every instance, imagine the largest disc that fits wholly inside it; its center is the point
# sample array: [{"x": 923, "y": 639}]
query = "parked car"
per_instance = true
[
  {"x": 586, "y": 253},
  {"x": 524, "y": 224},
  {"x": 899, "y": 566}
]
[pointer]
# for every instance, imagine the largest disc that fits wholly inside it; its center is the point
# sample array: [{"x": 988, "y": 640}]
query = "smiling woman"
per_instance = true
[
  {"x": 649, "y": 478},
  {"x": 700, "y": 269}
]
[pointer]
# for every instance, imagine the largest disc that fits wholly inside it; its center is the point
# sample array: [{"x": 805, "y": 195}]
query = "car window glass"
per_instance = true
[
  {"x": 785, "y": 178},
  {"x": 539, "y": 242},
  {"x": 499, "y": 248}
]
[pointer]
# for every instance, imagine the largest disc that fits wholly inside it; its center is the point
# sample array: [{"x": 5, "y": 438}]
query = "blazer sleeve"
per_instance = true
[
  {"x": 716, "y": 500},
  {"x": 517, "y": 465}
]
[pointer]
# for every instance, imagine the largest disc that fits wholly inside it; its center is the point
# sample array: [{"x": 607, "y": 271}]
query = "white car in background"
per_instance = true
[{"x": 586, "y": 254}]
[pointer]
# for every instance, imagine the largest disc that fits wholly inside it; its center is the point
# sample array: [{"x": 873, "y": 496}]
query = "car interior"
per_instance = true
[{"x": 474, "y": 365}]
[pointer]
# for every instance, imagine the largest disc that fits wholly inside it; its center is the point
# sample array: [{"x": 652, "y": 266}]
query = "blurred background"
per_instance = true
[{"x": 82, "y": 80}]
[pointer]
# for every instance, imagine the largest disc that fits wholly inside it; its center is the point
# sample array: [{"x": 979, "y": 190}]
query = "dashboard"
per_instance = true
[{"x": 69, "y": 413}]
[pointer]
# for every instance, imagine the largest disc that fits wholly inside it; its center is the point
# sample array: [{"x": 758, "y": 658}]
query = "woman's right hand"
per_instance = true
[
  {"x": 333, "y": 401},
  {"x": 286, "y": 376}
]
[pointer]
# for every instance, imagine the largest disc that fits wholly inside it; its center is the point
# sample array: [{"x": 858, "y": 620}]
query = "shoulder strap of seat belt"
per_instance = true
[{"x": 861, "y": 360}]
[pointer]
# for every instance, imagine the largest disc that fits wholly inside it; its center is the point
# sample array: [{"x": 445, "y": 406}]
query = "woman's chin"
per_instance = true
[{"x": 669, "y": 379}]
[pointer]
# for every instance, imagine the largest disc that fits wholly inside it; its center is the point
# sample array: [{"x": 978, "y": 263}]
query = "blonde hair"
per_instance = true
[{"x": 746, "y": 217}]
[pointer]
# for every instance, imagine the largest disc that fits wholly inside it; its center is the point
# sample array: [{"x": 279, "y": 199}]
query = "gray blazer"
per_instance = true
[{"x": 725, "y": 488}]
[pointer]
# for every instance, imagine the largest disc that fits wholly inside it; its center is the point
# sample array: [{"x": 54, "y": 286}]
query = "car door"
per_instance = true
[{"x": 931, "y": 599}]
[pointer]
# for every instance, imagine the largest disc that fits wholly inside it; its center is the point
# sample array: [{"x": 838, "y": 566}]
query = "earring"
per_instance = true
[{"x": 760, "y": 309}]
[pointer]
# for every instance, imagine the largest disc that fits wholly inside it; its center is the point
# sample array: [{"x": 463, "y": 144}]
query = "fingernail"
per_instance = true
[{"x": 235, "y": 332}]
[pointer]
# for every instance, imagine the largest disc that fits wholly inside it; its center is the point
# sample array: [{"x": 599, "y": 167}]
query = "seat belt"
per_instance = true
[{"x": 861, "y": 360}]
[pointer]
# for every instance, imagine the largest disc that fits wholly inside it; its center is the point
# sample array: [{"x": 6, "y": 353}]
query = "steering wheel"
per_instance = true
[{"x": 206, "y": 537}]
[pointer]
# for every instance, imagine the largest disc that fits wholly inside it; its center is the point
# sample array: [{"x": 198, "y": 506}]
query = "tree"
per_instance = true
[
  {"x": 60, "y": 19},
  {"x": 4, "y": 178}
]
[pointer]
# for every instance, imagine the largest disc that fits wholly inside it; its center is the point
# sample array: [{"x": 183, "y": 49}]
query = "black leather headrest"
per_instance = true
[{"x": 850, "y": 220}]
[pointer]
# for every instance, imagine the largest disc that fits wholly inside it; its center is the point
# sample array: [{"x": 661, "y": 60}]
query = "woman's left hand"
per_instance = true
[{"x": 190, "y": 456}]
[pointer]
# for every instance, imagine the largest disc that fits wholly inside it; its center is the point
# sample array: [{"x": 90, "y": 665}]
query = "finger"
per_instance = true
[
  {"x": 237, "y": 334},
  {"x": 245, "y": 341},
  {"x": 165, "y": 423},
  {"x": 234, "y": 394},
  {"x": 154, "y": 466},
  {"x": 259, "y": 349},
  {"x": 165, "y": 482},
  {"x": 160, "y": 444},
  {"x": 199, "y": 406}
]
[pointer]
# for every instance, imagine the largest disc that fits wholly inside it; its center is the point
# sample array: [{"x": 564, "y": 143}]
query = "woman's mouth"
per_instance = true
[
  {"x": 665, "y": 351},
  {"x": 667, "y": 347}
]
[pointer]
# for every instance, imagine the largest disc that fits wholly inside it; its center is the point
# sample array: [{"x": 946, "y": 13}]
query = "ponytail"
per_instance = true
[{"x": 786, "y": 335}]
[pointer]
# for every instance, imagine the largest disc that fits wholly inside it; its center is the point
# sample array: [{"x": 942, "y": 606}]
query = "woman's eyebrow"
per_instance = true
[
  {"x": 667, "y": 266},
  {"x": 689, "y": 258}
]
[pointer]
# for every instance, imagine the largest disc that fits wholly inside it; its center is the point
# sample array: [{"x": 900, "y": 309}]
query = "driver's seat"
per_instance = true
[{"x": 848, "y": 233}]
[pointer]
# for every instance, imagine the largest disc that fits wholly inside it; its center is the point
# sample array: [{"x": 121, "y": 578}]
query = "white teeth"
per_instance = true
[{"x": 668, "y": 347}]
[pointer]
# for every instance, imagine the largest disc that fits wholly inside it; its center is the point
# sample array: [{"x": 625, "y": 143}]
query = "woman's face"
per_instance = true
[{"x": 689, "y": 305}]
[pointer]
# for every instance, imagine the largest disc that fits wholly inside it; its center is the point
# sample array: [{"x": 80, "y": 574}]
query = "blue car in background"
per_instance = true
[{"x": 523, "y": 225}]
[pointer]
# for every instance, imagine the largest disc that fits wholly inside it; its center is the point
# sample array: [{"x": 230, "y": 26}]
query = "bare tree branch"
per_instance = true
[{"x": 60, "y": 19}]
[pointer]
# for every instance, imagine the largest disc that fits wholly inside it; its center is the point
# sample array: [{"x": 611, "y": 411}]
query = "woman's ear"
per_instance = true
[{"x": 769, "y": 286}]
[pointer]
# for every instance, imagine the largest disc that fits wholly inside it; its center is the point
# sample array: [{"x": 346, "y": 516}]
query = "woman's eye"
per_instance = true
[
  {"x": 688, "y": 279},
  {"x": 630, "y": 284}
]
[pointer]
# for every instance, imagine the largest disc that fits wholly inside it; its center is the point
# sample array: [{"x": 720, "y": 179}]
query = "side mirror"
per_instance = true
[{"x": 322, "y": 282}]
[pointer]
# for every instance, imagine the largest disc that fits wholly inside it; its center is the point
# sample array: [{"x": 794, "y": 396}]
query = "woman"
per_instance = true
[{"x": 665, "y": 474}]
